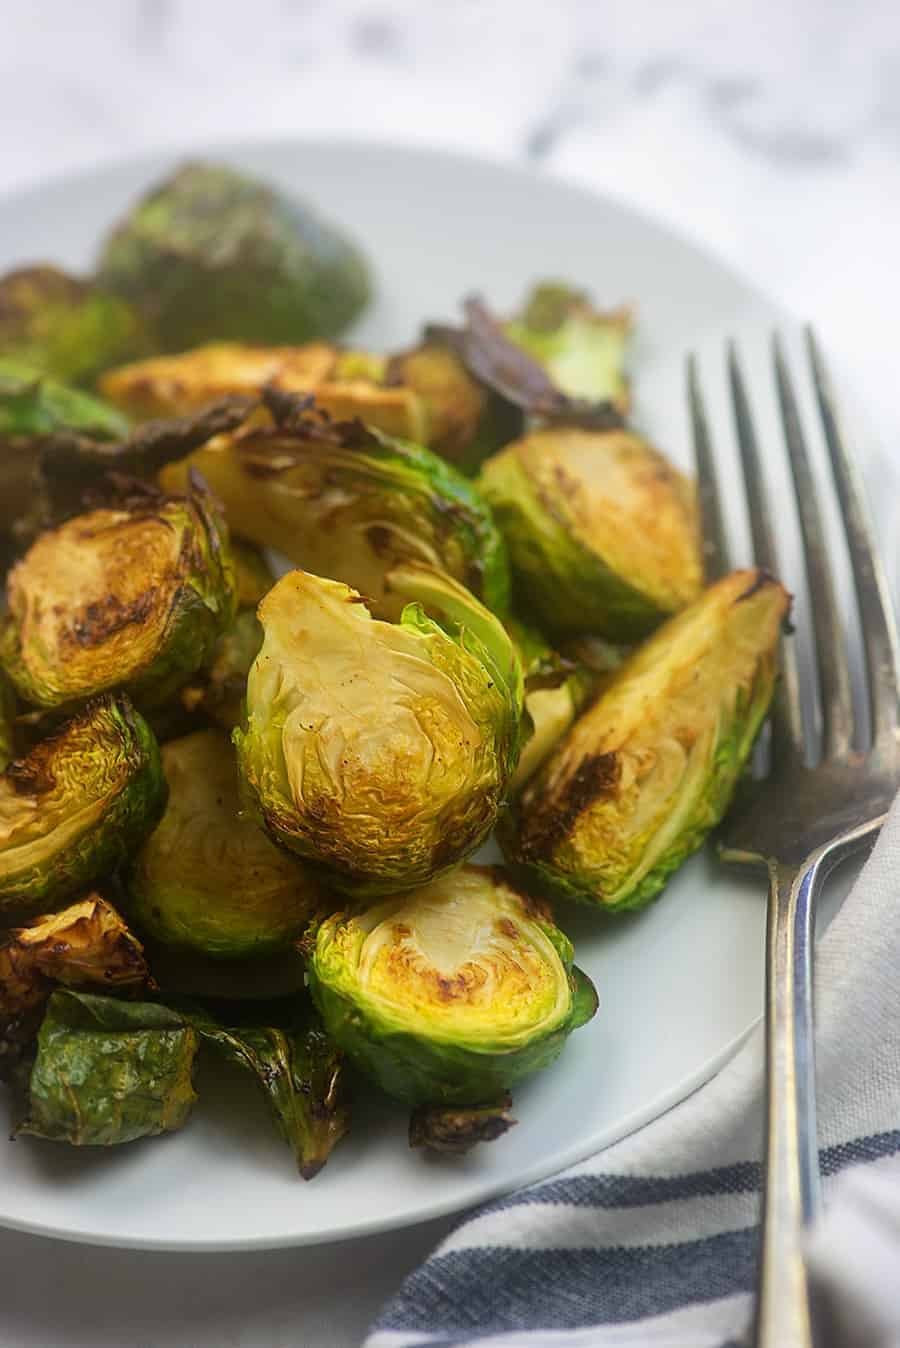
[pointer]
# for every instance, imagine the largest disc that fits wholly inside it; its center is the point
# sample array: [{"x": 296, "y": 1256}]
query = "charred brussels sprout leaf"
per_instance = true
[
  {"x": 109, "y": 1071},
  {"x": 650, "y": 768},
  {"x": 348, "y": 503},
  {"x": 581, "y": 348},
  {"x": 380, "y": 751},
  {"x": 452, "y": 993},
  {"x": 77, "y": 806},
  {"x": 602, "y": 530},
  {"x": 211, "y": 253},
  {"x": 556, "y": 688},
  {"x": 453, "y": 1132},
  {"x": 301, "y": 1075},
  {"x": 131, "y": 597},
  {"x": 208, "y": 879},
  {"x": 64, "y": 327}
]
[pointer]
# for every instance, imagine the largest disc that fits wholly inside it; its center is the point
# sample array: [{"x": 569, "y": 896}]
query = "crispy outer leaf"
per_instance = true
[
  {"x": 109, "y": 1071},
  {"x": 300, "y": 1072}
]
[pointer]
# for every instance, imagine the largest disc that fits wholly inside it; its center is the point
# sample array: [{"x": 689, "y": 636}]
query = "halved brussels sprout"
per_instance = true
[
  {"x": 602, "y": 530},
  {"x": 208, "y": 879},
  {"x": 88, "y": 942},
  {"x": 65, "y": 327},
  {"x": 650, "y": 768},
  {"x": 77, "y": 806},
  {"x": 212, "y": 254},
  {"x": 346, "y": 502},
  {"x": 109, "y": 1071},
  {"x": 380, "y": 751},
  {"x": 556, "y": 688},
  {"x": 301, "y": 1074},
  {"x": 132, "y": 597},
  {"x": 452, "y": 993},
  {"x": 581, "y": 348}
]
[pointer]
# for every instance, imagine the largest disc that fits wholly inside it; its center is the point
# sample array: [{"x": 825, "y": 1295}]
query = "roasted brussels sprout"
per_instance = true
[
  {"x": 77, "y": 806},
  {"x": 602, "y": 530},
  {"x": 32, "y": 408},
  {"x": 208, "y": 879},
  {"x": 346, "y": 502},
  {"x": 64, "y": 327},
  {"x": 212, "y": 254},
  {"x": 380, "y": 751},
  {"x": 452, "y": 993},
  {"x": 300, "y": 1073},
  {"x": 556, "y": 688},
  {"x": 581, "y": 348},
  {"x": 109, "y": 1071},
  {"x": 649, "y": 769},
  {"x": 133, "y": 597}
]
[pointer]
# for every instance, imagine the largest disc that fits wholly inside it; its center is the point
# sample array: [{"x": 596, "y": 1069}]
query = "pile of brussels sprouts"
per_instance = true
[{"x": 236, "y": 810}]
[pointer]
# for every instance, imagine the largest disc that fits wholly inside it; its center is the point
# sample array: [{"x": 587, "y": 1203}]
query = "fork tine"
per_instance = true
[
  {"x": 712, "y": 523},
  {"x": 787, "y": 714},
  {"x": 831, "y": 651},
  {"x": 876, "y": 614}
]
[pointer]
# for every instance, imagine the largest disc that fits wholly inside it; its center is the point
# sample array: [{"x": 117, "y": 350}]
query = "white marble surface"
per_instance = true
[{"x": 769, "y": 132}]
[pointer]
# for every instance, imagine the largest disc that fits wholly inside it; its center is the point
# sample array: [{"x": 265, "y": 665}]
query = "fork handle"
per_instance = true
[{"x": 791, "y": 1188}]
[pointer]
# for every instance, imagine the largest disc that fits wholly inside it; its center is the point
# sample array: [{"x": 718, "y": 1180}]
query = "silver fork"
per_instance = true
[{"x": 800, "y": 821}]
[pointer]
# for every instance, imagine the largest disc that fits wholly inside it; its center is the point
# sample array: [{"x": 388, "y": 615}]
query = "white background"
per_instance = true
[{"x": 769, "y": 132}]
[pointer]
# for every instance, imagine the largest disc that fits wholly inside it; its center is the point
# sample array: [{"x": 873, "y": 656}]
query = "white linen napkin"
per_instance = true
[{"x": 653, "y": 1241}]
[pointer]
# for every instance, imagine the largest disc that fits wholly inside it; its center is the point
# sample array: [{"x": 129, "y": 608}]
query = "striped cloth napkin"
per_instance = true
[{"x": 653, "y": 1241}]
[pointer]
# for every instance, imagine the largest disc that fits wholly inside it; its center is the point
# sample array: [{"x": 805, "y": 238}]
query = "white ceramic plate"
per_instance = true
[{"x": 680, "y": 983}]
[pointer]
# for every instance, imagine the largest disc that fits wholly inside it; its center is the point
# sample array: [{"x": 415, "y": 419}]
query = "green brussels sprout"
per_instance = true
[
  {"x": 382, "y": 752},
  {"x": 347, "y": 502},
  {"x": 301, "y": 1074},
  {"x": 212, "y": 254},
  {"x": 450, "y": 994},
  {"x": 66, "y": 328},
  {"x": 582, "y": 349},
  {"x": 130, "y": 597},
  {"x": 602, "y": 530},
  {"x": 77, "y": 806},
  {"x": 208, "y": 879},
  {"x": 556, "y": 688},
  {"x": 109, "y": 1071},
  {"x": 651, "y": 766}
]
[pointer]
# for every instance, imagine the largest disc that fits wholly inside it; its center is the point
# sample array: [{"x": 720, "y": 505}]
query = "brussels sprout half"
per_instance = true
[
  {"x": 650, "y": 768},
  {"x": 109, "y": 1071},
  {"x": 77, "y": 806},
  {"x": 452, "y": 993},
  {"x": 132, "y": 597},
  {"x": 347, "y": 502},
  {"x": 66, "y": 328},
  {"x": 602, "y": 530},
  {"x": 208, "y": 879},
  {"x": 380, "y": 751},
  {"x": 212, "y": 254}
]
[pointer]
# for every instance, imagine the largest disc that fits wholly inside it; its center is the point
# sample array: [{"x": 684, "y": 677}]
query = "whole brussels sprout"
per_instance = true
[
  {"x": 130, "y": 597},
  {"x": 75, "y": 807},
  {"x": 382, "y": 752},
  {"x": 66, "y": 328},
  {"x": 556, "y": 688},
  {"x": 581, "y": 348},
  {"x": 109, "y": 1071},
  {"x": 211, "y": 253},
  {"x": 650, "y": 768},
  {"x": 602, "y": 531},
  {"x": 347, "y": 502},
  {"x": 208, "y": 879},
  {"x": 452, "y": 993}
]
